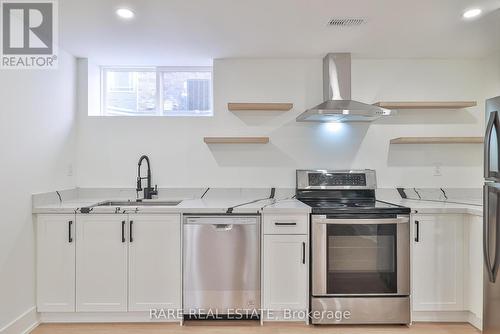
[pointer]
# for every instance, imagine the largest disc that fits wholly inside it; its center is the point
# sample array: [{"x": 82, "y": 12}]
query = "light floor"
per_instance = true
[{"x": 245, "y": 328}]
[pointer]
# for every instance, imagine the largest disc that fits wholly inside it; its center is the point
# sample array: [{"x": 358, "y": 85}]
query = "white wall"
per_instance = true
[
  {"x": 496, "y": 61},
  {"x": 108, "y": 148},
  {"x": 37, "y": 145}
]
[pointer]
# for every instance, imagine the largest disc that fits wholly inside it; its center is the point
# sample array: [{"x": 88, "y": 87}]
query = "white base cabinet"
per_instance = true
[
  {"x": 285, "y": 267},
  {"x": 438, "y": 268},
  {"x": 447, "y": 268},
  {"x": 108, "y": 262},
  {"x": 101, "y": 263},
  {"x": 154, "y": 271},
  {"x": 55, "y": 263},
  {"x": 285, "y": 272},
  {"x": 474, "y": 266}
]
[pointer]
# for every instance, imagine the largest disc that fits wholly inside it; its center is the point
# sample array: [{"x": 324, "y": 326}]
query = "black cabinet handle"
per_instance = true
[
  {"x": 123, "y": 231},
  {"x": 70, "y": 238},
  {"x": 130, "y": 236},
  {"x": 303, "y": 253},
  {"x": 417, "y": 233},
  {"x": 285, "y": 224}
]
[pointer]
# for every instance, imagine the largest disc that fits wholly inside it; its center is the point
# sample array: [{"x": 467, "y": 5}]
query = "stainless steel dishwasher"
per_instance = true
[{"x": 221, "y": 266}]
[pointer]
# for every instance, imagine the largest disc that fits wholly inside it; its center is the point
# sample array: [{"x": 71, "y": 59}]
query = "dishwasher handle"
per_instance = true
[
  {"x": 221, "y": 221},
  {"x": 222, "y": 227}
]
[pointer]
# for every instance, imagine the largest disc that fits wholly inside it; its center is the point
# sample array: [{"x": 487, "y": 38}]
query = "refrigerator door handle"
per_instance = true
[
  {"x": 494, "y": 269},
  {"x": 486, "y": 242},
  {"x": 493, "y": 123},
  {"x": 486, "y": 238}
]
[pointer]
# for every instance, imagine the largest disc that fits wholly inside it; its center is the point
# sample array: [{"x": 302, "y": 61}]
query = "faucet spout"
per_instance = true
[{"x": 149, "y": 191}]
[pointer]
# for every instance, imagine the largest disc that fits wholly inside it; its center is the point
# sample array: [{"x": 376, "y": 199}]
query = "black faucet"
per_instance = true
[{"x": 149, "y": 191}]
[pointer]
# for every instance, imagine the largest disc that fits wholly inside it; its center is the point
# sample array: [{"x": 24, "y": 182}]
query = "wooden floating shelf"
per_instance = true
[
  {"x": 236, "y": 140},
  {"x": 260, "y": 106},
  {"x": 427, "y": 105},
  {"x": 437, "y": 140}
]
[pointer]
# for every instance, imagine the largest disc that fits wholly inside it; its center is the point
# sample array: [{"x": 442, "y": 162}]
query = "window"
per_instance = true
[
  {"x": 121, "y": 81},
  {"x": 156, "y": 91},
  {"x": 129, "y": 93}
]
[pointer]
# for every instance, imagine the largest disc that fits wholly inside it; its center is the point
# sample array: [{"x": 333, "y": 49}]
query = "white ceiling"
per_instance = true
[{"x": 193, "y": 32}]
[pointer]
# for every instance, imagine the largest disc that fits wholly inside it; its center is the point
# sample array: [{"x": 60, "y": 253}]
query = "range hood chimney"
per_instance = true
[{"x": 338, "y": 106}]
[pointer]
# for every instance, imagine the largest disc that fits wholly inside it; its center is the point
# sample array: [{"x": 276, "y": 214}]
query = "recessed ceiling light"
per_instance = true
[
  {"x": 125, "y": 13},
  {"x": 472, "y": 13}
]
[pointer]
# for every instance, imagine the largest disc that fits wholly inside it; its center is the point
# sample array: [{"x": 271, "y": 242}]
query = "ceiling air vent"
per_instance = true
[{"x": 346, "y": 22}]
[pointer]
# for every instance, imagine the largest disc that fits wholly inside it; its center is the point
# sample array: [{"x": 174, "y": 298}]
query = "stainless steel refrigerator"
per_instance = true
[{"x": 491, "y": 227}]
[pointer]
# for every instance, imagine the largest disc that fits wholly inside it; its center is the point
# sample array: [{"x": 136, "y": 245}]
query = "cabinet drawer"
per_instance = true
[{"x": 286, "y": 224}]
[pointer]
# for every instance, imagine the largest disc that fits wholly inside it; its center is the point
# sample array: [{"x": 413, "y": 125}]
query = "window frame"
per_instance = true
[{"x": 158, "y": 70}]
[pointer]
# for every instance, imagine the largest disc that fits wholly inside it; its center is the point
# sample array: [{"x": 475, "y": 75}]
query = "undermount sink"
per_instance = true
[{"x": 139, "y": 203}]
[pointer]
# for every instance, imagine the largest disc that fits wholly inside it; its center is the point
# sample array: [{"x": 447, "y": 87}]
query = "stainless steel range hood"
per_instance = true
[{"x": 338, "y": 106}]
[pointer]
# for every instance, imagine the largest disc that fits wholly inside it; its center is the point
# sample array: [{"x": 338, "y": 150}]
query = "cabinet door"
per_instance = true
[
  {"x": 56, "y": 263},
  {"x": 285, "y": 272},
  {"x": 438, "y": 257},
  {"x": 101, "y": 263},
  {"x": 474, "y": 262},
  {"x": 154, "y": 262}
]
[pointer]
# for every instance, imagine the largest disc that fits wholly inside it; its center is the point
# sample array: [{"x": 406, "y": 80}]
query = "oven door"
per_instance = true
[{"x": 360, "y": 255}]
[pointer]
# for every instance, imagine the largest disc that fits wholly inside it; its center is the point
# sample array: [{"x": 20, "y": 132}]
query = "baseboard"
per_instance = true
[
  {"x": 30, "y": 319},
  {"x": 447, "y": 316},
  {"x": 475, "y": 321},
  {"x": 23, "y": 324},
  {"x": 83, "y": 317}
]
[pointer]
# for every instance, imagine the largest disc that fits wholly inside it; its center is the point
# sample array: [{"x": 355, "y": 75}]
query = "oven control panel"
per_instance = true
[
  {"x": 325, "y": 179},
  {"x": 332, "y": 179}
]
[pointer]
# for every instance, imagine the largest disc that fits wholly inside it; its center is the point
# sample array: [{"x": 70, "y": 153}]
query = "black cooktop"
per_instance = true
[
  {"x": 330, "y": 206},
  {"x": 352, "y": 192}
]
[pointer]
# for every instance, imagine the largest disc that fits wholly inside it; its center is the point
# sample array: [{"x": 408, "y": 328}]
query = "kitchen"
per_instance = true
[{"x": 247, "y": 187}]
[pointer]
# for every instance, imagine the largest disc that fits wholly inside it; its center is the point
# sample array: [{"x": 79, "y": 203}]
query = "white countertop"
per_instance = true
[
  {"x": 186, "y": 206},
  {"x": 434, "y": 207},
  {"x": 219, "y": 200},
  {"x": 265, "y": 206}
]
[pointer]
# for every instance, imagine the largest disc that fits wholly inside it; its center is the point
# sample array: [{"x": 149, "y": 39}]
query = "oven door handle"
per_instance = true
[{"x": 374, "y": 221}]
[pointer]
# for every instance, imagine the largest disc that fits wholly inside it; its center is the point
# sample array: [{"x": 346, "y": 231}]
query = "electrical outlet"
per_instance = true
[
  {"x": 437, "y": 170},
  {"x": 69, "y": 171}
]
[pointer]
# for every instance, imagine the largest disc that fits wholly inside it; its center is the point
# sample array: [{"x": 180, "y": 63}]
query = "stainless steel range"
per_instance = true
[{"x": 360, "y": 250}]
